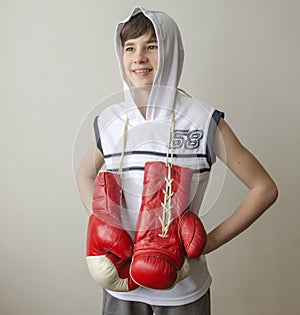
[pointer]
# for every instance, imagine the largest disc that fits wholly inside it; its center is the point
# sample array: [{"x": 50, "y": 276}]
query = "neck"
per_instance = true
[{"x": 141, "y": 98}]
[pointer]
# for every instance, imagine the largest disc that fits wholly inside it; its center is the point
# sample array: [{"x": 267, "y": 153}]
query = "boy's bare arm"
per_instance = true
[
  {"x": 91, "y": 163},
  {"x": 262, "y": 189}
]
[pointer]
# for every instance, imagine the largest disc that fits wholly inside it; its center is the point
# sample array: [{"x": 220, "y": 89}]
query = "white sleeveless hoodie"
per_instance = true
[{"x": 150, "y": 139}]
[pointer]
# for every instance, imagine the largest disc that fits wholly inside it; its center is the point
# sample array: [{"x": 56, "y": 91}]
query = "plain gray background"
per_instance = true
[{"x": 57, "y": 62}]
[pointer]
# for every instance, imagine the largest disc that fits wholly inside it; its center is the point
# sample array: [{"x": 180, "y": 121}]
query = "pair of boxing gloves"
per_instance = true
[{"x": 166, "y": 231}]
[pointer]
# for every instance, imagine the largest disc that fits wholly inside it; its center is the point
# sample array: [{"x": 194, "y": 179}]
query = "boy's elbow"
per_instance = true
[
  {"x": 275, "y": 193},
  {"x": 271, "y": 192}
]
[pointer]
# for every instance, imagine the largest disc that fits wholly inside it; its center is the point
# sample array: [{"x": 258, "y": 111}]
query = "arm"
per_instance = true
[
  {"x": 91, "y": 163},
  {"x": 262, "y": 190}
]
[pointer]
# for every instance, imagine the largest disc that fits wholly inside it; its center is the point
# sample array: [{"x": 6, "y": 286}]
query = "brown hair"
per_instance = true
[{"x": 137, "y": 26}]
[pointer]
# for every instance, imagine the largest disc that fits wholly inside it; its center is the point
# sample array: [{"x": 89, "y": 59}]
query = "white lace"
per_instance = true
[
  {"x": 121, "y": 160},
  {"x": 166, "y": 218}
]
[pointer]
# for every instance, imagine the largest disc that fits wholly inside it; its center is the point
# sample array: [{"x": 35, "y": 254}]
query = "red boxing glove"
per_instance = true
[
  {"x": 109, "y": 246},
  {"x": 166, "y": 230}
]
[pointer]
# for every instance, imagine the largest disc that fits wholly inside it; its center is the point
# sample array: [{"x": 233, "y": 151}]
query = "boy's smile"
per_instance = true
[{"x": 140, "y": 60}]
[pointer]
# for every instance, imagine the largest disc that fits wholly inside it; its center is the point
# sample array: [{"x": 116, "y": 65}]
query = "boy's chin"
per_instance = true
[{"x": 143, "y": 87}]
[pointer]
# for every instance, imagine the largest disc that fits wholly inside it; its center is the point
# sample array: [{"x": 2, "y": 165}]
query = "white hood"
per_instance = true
[{"x": 170, "y": 62}]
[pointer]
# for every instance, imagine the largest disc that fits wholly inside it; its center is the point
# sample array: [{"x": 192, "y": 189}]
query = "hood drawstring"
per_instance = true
[
  {"x": 121, "y": 160},
  {"x": 166, "y": 218}
]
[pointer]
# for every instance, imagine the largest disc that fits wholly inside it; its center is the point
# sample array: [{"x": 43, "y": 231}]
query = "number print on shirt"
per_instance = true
[{"x": 190, "y": 140}]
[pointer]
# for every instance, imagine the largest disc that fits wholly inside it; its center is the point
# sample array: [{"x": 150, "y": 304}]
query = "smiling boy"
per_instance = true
[
  {"x": 158, "y": 122},
  {"x": 140, "y": 60}
]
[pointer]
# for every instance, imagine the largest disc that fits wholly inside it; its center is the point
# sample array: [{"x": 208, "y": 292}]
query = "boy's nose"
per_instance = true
[{"x": 140, "y": 57}]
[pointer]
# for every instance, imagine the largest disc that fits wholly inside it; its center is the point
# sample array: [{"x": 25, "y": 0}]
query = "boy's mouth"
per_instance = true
[{"x": 142, "y": 71}]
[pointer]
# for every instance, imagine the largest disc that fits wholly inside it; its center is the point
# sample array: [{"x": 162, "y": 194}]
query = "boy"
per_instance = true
[{"x": 158, "y": 123}]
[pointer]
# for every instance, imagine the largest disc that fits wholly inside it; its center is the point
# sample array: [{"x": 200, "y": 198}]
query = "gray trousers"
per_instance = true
[{"x": 114, "y": 306}]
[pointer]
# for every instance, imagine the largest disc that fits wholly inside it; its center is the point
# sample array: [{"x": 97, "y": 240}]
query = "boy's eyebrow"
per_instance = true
[{"x": 150, "y": 41}]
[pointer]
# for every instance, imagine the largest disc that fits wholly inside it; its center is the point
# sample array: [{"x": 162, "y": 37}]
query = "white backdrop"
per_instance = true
[{"x": 57, "y": 62}]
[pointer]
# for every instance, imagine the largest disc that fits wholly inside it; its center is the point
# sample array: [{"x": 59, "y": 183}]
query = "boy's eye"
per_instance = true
[
  {"x": 147, "y": 47},
  {"x": 152, "y": 47},
  {"x": 129, "y": 49}
]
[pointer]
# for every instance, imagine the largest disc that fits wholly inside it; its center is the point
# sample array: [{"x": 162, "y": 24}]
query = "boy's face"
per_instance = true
[{"x": 140, "y": 60}]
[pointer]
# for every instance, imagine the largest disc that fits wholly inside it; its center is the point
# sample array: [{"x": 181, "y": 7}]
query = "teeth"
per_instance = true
[{"x": 142, "y": 71}]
